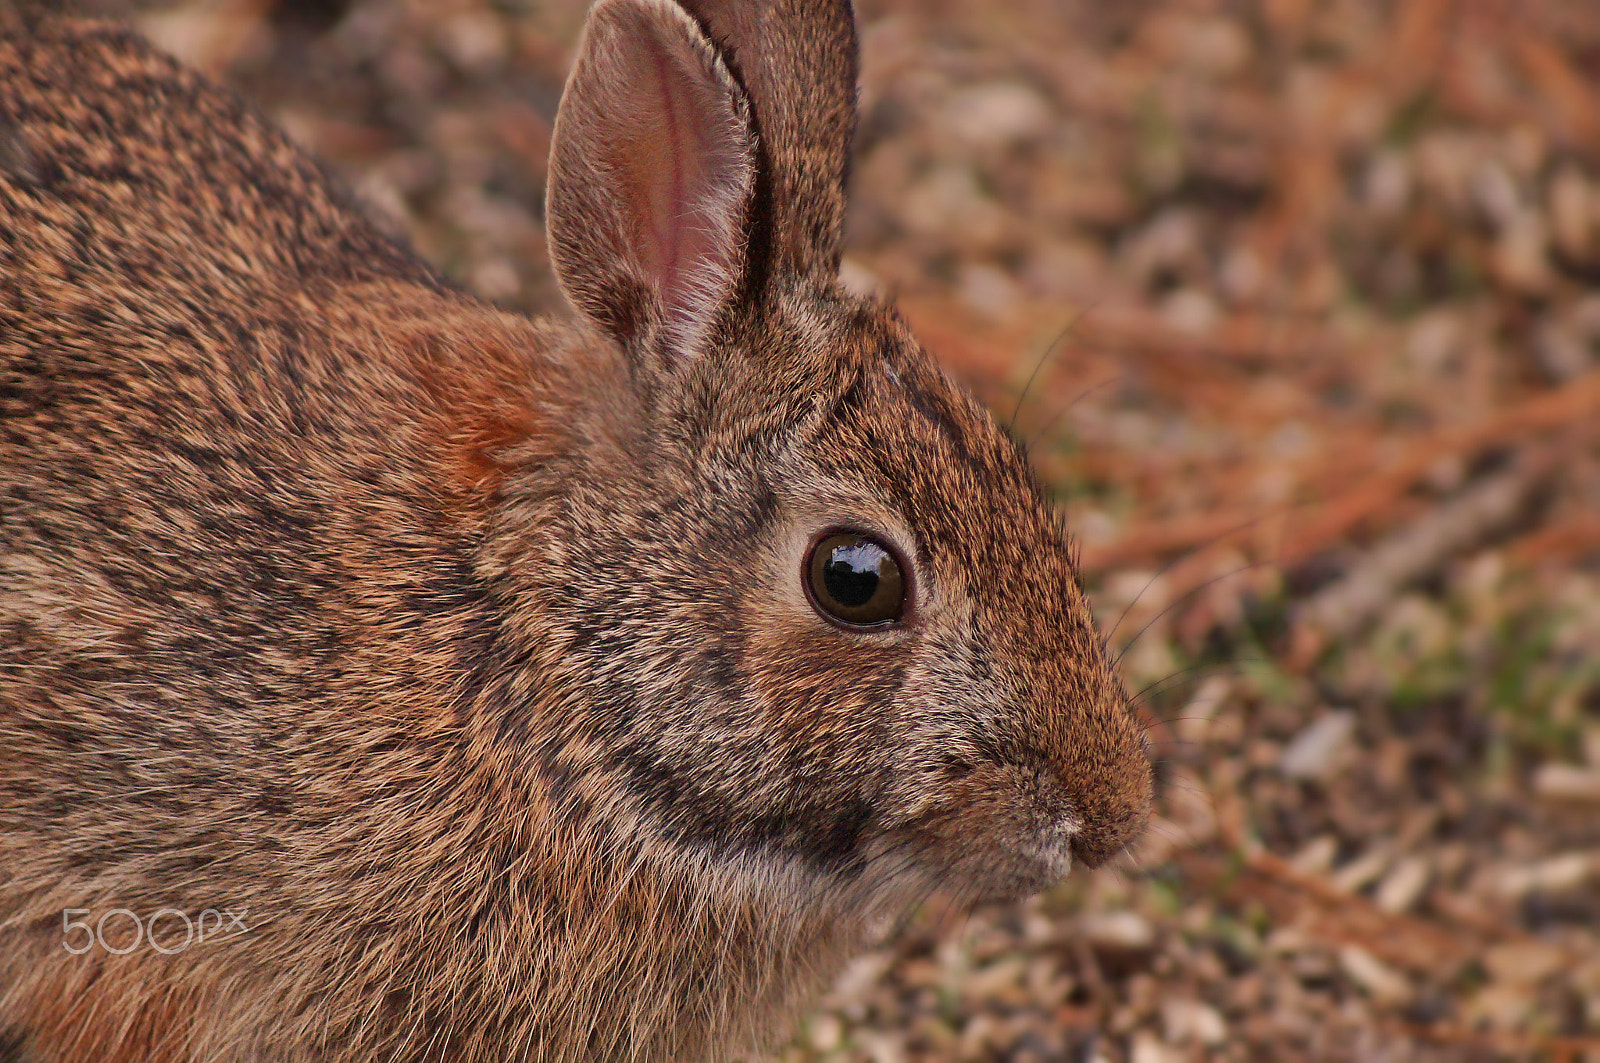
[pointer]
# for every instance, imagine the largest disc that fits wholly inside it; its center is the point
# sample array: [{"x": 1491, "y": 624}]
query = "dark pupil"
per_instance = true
[
  {"x": 855, "y": 581},
  {"x": 851, "y": 574}
]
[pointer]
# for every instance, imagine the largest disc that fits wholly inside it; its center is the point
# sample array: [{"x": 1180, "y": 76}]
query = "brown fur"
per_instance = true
[{"x": 470, "y": 653}]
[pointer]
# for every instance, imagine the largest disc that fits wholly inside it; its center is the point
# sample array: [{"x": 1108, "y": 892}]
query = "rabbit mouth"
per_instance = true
[
  {"x": 1003, "y": 862},
  {"x": 1012, "y": 875},
  {"x": 1038, "y": 862},
  {"x": 1004, "y": 831},
  {"x": 1055, "y": 847}
]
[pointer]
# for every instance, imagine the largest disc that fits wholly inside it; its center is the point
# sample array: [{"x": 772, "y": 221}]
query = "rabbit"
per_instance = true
[{"x": 384, "y": 676}]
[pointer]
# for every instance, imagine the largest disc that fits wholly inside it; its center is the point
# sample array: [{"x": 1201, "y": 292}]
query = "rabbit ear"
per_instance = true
[
  {"x": 798, "y": 60},
  {"x": 651, "y": 175}
]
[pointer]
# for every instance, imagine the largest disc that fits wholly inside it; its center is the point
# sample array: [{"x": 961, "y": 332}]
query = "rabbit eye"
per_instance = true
[{"x": 855, "y": 581}]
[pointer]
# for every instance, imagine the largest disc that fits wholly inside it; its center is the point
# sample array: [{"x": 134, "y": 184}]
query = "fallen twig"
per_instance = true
[
  {"x": 1576, "y": 400},
  {"x": 1417, "y": 550}
]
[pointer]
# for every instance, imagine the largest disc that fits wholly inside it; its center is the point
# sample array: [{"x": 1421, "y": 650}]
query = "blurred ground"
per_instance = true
[{"x": 1310, "y": 293}]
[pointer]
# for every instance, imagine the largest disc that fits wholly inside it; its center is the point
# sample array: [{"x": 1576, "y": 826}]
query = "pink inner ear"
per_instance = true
[
  {"x": 665, "y": 166},
  {"x": 651, "y": 174},
  {"x": 685, "y": 172}
]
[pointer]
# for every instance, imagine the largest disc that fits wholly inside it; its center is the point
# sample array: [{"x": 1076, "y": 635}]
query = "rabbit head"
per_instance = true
[{"x": 826, "y": 624}]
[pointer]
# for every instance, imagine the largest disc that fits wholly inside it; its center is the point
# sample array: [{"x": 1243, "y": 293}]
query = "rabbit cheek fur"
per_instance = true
[{"x": 471, "y": 655}]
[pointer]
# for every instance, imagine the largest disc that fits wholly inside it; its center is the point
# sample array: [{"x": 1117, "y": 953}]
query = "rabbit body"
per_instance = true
[{"x": 465, "y": 658}]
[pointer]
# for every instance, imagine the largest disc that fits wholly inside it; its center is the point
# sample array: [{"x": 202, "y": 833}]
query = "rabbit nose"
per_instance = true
[
  {"x": 1115, "y": 822},
  {"x": 1092, "y": 853}
]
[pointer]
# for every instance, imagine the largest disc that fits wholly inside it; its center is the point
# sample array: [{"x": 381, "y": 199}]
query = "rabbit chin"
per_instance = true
[
  {"x": 1005, "y": 859},
  {"x": 1010, "y": 869},
  {"x": 1002, "y": 832}
]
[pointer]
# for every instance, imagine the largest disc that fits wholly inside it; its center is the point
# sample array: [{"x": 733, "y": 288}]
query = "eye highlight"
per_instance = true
[{"x": 855, "y": 581}]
